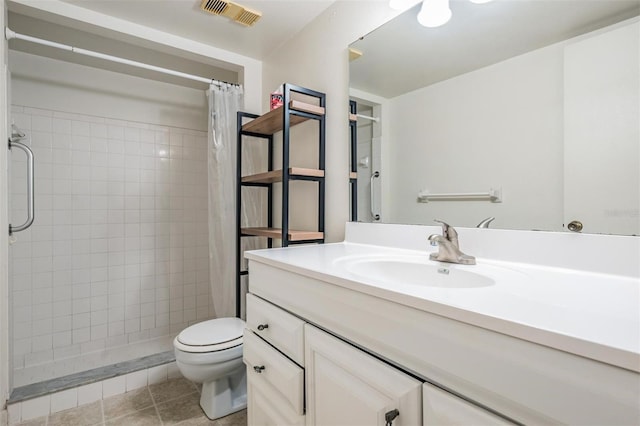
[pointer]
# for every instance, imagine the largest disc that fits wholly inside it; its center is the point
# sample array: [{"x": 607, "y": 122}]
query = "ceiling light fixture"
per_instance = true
[{"x": 434, "y": 13}]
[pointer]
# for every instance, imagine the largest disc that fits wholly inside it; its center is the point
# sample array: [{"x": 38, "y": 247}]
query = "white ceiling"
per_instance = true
[
  {"x": 402, "y": 56},
  {"x": 281, "y": 19}
]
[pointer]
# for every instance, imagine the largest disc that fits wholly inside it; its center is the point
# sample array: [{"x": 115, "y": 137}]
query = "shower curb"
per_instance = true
[{"x": 70, "y": 381}]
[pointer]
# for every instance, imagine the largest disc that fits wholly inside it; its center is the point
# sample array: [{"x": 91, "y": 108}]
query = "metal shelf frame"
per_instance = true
[
  {"x": 290, "y": 108},
  {"x": 353, "y": 160}
]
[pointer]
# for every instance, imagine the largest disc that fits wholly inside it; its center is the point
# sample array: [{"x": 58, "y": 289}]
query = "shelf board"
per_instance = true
[
  {"x": 271, "y": 122},
  {"x": 276, "y": 175},
  {"x": 277, "y": 233},
  {"x": 353, "y": 175}
]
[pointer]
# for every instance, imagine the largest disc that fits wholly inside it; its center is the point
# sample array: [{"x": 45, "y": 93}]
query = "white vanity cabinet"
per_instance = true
[
  {"x": 298, "y": 374},
  {"x": 346, "y": 386},
  {"x": 485, "y": 355}
]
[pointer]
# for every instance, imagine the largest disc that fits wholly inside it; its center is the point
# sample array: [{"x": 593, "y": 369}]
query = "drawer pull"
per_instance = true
[
  {"x": 390, "y": 416},
  {"x": 261, "y": 327},
  {"x": 258, "y": 368}
]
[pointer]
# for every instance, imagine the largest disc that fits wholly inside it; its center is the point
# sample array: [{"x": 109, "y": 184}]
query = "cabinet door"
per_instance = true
[
  {"x": 347, "y": 387},
  {"x": 266, "y": 406},
  {"x": 444, "y": 409}
]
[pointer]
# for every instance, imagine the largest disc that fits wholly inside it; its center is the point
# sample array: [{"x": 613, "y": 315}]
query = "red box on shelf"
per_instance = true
[{"x": 277, "y": 99}]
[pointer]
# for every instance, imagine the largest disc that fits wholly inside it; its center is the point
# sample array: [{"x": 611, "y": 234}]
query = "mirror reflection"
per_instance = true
[{"x": 526, "y": 111}]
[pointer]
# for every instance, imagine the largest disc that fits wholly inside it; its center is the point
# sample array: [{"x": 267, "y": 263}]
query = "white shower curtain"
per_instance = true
[{"x": 225, "y": 101}]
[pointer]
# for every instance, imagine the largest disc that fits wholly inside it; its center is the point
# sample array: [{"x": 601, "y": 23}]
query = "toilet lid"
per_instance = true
[{"x": 212, "y": 332}]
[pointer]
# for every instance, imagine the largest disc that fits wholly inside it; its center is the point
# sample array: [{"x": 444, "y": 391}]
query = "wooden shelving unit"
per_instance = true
[
  {"x": 292, "y": 113},
  {"x": 276, "y": 175},
  {"x": 292, "y": 235},
  {"x": 273, "y": 122}
]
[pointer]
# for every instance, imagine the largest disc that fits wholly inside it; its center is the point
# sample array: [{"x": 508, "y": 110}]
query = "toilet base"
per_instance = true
[{"x": 226, "y": 395}]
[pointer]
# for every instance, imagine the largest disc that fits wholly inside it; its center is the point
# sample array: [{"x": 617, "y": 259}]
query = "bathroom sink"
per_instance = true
[{"x": 416, "y": 270}]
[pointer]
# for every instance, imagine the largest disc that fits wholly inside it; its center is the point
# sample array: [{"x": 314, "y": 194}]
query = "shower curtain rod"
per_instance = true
[
  {"x": 366, "y": 117},
  {"x": 9, "y": 34}
]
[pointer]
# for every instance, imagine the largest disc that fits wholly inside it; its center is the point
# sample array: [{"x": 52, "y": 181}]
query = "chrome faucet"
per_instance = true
[
  {"x": 448, "y": 247},
  {"x": 485, "y": 223}
]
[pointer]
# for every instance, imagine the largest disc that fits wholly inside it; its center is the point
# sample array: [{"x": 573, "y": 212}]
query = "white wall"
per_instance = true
[
  {"x": 91, "y": 91},
  {"x": 317, "y": 58},
  {"x": 497, "y": 127},
  {"x": 602, "y": 131}
]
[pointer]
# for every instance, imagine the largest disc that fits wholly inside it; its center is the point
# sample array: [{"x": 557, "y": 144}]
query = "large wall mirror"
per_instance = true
[{"x": 526, "y": 111}]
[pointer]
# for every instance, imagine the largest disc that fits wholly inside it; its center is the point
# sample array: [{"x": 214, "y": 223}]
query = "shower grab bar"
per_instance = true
[
  {"x": 493, "y": 195},
  {"x": 374, "y": 215},
  {"x": 30, "y": 186}
]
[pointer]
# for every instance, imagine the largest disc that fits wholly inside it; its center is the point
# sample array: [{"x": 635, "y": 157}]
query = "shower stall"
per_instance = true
[
  {"x": 116, "y": 261},
  {"x": 368, "y": 162}
]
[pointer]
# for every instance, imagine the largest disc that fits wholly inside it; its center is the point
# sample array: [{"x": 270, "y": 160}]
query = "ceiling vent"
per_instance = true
[{"x": 231, "y": 10}]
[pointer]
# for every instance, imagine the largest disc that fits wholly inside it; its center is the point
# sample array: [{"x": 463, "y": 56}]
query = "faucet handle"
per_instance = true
[
  {"x": 485, "y": 223},
  {"x": 445, "y": 226},
  {"x": 449, "y": 232}
]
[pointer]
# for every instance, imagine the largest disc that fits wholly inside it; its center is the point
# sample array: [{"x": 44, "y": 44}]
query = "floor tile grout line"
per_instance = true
[
  {"x": 177, "y": 397},
  {"x": 155, "y": 405},
  {"x": 132, "y": 412}
]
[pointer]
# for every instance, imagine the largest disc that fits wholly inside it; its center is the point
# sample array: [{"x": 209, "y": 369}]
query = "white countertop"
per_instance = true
[{"x": 594, "y": 315}]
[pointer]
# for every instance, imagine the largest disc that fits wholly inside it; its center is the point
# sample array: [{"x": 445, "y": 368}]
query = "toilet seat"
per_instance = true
[{"x": 211, "y": 336}]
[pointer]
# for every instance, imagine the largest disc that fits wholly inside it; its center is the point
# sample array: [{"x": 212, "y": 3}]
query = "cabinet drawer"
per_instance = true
[
  {"x": 280, "y": 328},
  {"x": 267, "y": 407},
  {"x": 444, "y": 409},
  {"x": 267, "y": 364}
]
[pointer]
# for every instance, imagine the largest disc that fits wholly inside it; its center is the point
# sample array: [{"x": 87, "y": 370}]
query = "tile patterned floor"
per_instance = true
[{"x": 175, "y": 402}]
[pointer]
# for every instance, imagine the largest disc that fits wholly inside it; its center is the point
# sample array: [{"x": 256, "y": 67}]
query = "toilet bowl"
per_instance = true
[{"x": 210, "y": 352}]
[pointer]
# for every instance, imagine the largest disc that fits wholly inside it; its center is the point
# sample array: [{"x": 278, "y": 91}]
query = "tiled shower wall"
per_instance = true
[{"x": 116, "y": 262}]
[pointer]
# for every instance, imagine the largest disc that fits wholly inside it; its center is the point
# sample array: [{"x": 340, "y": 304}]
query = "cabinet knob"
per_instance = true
[
  {"x": 575, "y": 226},
  {"x": 261, "y": 327},
  {"x": 258, "y": 368}
]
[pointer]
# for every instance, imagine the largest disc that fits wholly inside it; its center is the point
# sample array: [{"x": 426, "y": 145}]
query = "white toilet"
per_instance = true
[{"x": 210, "y": 352}]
